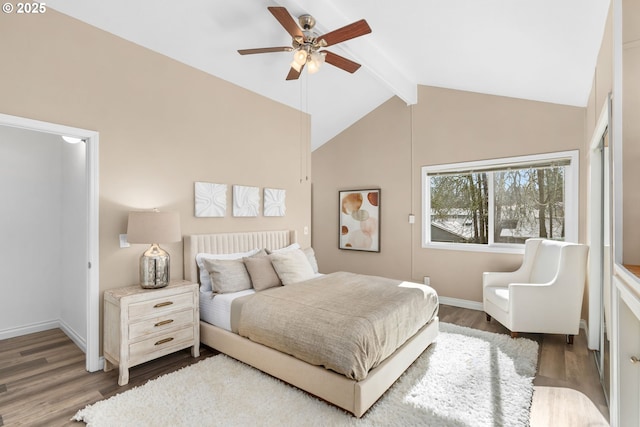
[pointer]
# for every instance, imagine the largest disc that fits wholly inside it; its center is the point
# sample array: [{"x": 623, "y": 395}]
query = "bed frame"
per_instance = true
[{"x": 353, "y": 396}]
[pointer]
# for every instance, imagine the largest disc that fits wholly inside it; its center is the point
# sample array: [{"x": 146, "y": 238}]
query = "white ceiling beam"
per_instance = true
[
  {"x": 377, "y": 62},
  {"x": 383, "y": 68}
]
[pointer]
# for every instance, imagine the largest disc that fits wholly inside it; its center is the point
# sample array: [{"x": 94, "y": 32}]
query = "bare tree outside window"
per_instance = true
[
  {"x": 460, "y": 208},
  {"x": 527, "y": 202}
]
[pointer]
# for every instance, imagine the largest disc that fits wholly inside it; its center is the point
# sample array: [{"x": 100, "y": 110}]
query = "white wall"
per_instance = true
[
  {"x": 73, "y": 296},
  {"x": 43, "y": 223}
]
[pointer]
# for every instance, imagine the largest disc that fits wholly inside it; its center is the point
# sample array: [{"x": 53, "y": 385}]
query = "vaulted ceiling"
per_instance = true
[{"x": 543, "y": 50}]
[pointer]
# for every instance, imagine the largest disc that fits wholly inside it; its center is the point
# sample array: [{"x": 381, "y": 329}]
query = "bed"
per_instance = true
[{"x": 355, "y": 396}]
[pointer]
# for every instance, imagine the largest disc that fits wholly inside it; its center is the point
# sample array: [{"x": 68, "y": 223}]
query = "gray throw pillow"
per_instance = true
[
  {"x": 227, "y": 275},
  {"x": 261, "y": 271}
]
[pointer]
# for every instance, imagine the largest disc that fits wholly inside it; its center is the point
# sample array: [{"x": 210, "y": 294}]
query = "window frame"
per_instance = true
[{"x": 571, "y": 186}]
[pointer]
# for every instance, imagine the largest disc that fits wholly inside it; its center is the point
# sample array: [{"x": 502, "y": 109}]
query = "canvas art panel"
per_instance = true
[
  {"x": 210, "y": 200},
  {"x": 359, "y": 225},
  {"x": 274, "y": 202},
  {"x": 246, "y": 201}
]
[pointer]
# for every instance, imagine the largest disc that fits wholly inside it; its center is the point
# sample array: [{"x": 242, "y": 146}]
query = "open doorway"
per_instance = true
[{"x": 73, "y": 173}]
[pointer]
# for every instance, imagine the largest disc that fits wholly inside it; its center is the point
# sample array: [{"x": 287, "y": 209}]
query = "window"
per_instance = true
[{"x": 497, "y": 204}]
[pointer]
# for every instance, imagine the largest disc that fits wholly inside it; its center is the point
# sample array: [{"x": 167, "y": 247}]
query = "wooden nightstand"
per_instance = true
[{"x": 144, "y": 324}]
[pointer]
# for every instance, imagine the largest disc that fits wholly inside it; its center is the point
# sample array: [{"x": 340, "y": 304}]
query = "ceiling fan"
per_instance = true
[{"x": 307, "y": 45}]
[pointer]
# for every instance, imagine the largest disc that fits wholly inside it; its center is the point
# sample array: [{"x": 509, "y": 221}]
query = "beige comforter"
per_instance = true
[{"x": 346, "y": 322}]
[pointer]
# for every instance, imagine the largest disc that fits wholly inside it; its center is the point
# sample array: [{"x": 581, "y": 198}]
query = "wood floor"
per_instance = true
[{"x": 43, "y": 381}]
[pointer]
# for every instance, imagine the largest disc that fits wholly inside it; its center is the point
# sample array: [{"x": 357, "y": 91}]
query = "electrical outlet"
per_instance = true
[
  {"x": 306, "y": 230},
  {"x": 412, "y": 218},
  {"x": 123, "y": 241},
  {"x": 427, "y": 280}
]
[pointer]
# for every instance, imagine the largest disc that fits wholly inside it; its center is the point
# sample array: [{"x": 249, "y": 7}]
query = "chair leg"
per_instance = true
[
  {"x": 570, "y": 339},
  {"x": 488, "y": 317},
  {"x": 514, "y": 335}
]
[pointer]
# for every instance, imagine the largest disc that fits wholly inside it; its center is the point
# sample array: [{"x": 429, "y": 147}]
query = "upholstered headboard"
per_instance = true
[{"x": 227, "y": 243}]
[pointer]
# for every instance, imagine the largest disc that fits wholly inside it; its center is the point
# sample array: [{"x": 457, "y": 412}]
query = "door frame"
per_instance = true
[
  {"x": 93, "y": 362},
  {"x": 594, "y": 230}
]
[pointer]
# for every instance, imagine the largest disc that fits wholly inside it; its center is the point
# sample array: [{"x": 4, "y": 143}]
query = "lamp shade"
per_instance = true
[{"x": 153, "y": 227}]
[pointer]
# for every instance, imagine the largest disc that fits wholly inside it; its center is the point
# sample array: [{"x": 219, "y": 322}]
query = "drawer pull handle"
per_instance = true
[
  {"x": 166, "y": 340},
  {"x": 634, "y": 360},
  {"x": 164, "y": 322},
  {"x": 163, "y": 304}
]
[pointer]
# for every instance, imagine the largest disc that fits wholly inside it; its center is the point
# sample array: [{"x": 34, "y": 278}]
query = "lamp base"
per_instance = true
[{"x": 154, "y": 268}]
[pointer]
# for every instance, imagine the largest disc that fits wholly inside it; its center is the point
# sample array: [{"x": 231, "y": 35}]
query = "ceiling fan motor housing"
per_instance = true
[{"x": 307, "y": 22}]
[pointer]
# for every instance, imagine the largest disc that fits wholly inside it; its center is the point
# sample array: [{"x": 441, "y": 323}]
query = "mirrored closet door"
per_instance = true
[{"x": 602, "y": 354}]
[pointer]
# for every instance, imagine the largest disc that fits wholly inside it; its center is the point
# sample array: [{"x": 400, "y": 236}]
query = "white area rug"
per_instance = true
[{"x": 466, "y": 378}]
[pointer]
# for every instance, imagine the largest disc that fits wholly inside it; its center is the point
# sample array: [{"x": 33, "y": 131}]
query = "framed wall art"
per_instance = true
[
  {"x": 246, "y": 201},
  {"x": 210, "y": 199},
  {"x": 274, "y": 202},
  {"x": 359, "y": 224}
]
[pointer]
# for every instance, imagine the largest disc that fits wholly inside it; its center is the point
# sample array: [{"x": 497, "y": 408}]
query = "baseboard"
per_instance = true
[
  {"x": 73, "y": 335},
  {"x": 462, "y": 303},
  {"x": 45, "y": 326},
  {"x": 29, "y": 329},
  {"x": 583, "y": 325}
]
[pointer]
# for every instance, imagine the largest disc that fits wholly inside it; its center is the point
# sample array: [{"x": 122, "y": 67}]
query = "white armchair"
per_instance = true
[{"x": 544, "y": 295}]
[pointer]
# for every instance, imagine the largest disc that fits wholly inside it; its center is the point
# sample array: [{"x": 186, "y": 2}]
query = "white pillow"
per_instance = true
[
  {"x": 292, "y": 266},
  {"x": 311, "y": 256},
  {"x": 205, "y": 279},
  {"x": 291, "y": 247}
]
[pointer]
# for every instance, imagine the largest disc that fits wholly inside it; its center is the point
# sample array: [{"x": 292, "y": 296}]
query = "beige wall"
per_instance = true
[
  {"x": 162, "y": 125},
  {"x": 602, "y": 80},
  {"x": 631, "y": 131},
  {"x": 373, "y": 153},
  {"x": 601, "y": 87},
  {"x": 447, "y": 126}
]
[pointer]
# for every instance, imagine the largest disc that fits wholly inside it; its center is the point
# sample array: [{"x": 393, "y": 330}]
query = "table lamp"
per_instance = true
[{"x": 154, "y": 227}]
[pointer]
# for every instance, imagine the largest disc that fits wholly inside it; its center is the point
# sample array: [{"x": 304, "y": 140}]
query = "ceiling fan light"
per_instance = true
[
  {"x": 296, "y": 66},
  {"x": 313, "y": 67},
  {"x": 316, "y": 61},
  {"x": 300, "y": 56}
]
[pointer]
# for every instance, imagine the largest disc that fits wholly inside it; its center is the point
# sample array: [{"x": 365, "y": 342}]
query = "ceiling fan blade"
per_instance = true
[
  {"x": 294, "y": 74},
  {"x": 341, "y": 62},
  {"x": 285, "y": 19},
  {"x": 265, "y": 50},
  {"x": 357, "y": 29}
]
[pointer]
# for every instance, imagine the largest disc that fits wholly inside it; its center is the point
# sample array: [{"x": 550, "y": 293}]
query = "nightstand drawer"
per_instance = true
[
  {"x": 161, "y": 305},
  {"x": 174, "y": 320},
  {"x": 151, "y": 348}
]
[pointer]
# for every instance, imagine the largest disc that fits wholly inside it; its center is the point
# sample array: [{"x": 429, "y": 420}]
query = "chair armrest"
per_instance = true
[
  {"x": 544, "y": 307},
  {"x": 530, "y": 293},
  {"x": 542, "y": 295},
  {"x": 500, "y": 278}
]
